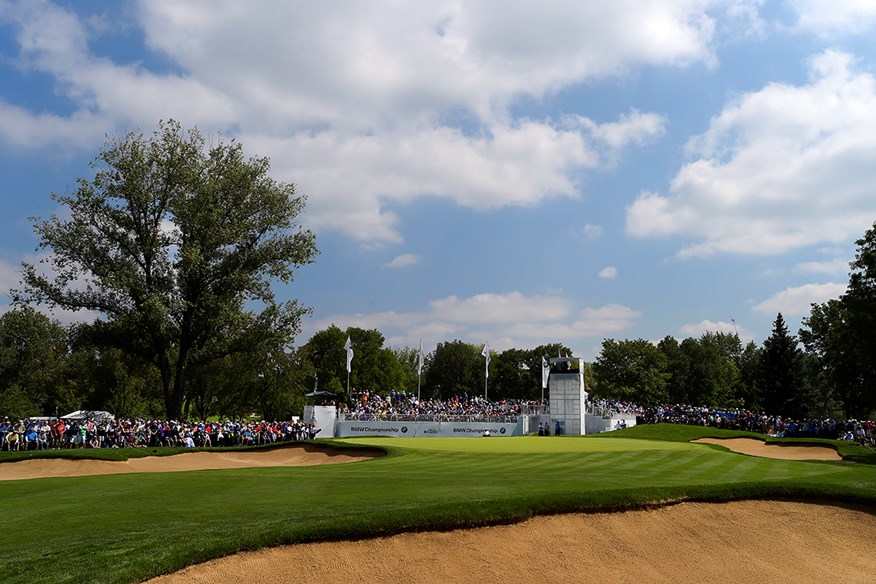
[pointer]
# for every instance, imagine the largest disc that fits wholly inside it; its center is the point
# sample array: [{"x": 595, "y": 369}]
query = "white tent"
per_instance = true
[{"x": 92, "y": 414}]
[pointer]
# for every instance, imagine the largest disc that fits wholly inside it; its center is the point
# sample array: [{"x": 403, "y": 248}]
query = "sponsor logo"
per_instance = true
[
  {"x": 370, "y": 429},
  {"x": 404, "y": 429},
  {"x": 430, "y": 431},
  {"x": 477, "y": 430}
]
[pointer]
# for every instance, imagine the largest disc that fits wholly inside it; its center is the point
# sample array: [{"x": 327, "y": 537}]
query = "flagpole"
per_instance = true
[
  {"x": 419, "y": 367},
  {"x": 348, "y": 346},
  {"x": 486, "y": 354}
]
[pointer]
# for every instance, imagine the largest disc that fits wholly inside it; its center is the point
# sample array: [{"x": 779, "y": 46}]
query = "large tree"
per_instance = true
[
  {"x": 175, "y": 243},
  {"x": 713, "y": 374},
  {"x": 840, "y": 335},
  {"x": 514, "y": 378},
  {"x": 455, "y": 368},
  {"x": 860, "y": 304},
  {"x": 631, "y": 371}
]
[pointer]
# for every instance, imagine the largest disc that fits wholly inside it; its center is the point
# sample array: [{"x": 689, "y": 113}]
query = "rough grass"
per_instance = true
[{"x": 124, "y": 528}]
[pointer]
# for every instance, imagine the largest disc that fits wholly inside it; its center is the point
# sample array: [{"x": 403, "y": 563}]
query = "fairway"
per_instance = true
[{"x": 127, "y": 527}]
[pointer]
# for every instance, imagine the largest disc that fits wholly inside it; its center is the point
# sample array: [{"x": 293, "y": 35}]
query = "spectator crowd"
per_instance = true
[
  {"x": 862, "y": 431},
  {"x": 404, "y": 406},
  {"x": 58, "y": 433},
  {"x": 47, "y": 433}
]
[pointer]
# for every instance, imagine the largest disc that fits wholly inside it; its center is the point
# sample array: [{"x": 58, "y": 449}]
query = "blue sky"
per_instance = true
[{"x": 508, "y": 172}]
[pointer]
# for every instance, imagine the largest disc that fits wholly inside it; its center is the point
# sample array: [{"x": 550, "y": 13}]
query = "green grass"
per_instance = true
[
  {"x": 124, "y": 528},
  {"x": 850, "y": 451}
]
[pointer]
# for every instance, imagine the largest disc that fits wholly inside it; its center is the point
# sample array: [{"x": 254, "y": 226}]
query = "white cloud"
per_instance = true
[
  {"x": 779, "y": 169},
  {"x": 105, "y": 96},
  {"x": 403, "y": 261},
  {"x": 507, "y": 320},
  {"x": 359, "y": 102},
  {"x": 608, "y": 272},
  {"x": 708, "y": 326},
  {"x": 501, "y": 308},
  {"x": 829, "y": 267},
  {"x": 634, "y": 128},
  {"x": 593, "y": 231},
  {"x": 797, "y": 301},
  {"x": 10, "y": 279},
  {"x": 349, "y": 63},
  {"x": 10, "y": 275},
  {"x": 348, "y": 177},
  {"x": 834, "y": 18}
]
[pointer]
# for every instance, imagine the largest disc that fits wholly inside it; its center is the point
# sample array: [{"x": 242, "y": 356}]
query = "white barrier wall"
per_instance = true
[
  {"x": 597, "y": 424},
  {"x": 350, "y": 428},
  {"x": 324, "y": 417}
]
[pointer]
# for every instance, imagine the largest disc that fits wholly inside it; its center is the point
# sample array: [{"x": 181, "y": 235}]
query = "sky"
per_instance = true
[{"x": 504, "y": 172}]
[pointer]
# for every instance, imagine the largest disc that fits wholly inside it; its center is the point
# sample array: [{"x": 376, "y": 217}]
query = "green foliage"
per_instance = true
[
  {"x": 860, "y": 302},
  {"x": 33, "y": 349},
  {"x": 712, "y": 370},
  {"x": 713, "y": 374},
  {"x": 748, "y": 392},
  {"x": 374, "y": 367},
  {"x": 371, "y": 368},
  {"x": 782, "y": 380},
  {"x": 631, "y": 371},
  {"x": 172, "y": 238},
  {"x": 840, "y": 337},
  {"x": 325, "y": 351},
  {"x": 513, "y": 378},
  {"x": 455, "y": 368},
  {"x": 403, "y": 367}
]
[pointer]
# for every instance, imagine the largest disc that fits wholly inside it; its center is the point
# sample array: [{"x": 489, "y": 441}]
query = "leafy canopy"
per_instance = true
[{"x": 168, "y": 241}]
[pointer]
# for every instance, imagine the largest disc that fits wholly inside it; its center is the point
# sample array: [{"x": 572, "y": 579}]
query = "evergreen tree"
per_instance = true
[{"x": 781, "y": 373}]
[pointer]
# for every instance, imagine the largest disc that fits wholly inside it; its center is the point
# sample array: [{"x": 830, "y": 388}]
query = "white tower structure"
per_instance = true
[{"x": 567, "y": 395}]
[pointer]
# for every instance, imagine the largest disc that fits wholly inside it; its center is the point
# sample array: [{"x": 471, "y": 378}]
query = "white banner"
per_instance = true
[{"x": 349, "y": 428}]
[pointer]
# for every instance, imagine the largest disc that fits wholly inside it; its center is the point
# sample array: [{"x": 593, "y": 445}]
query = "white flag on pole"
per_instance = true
[
  {"x": 349, "y": 347},
  {"x": 486, "y": 354},
  {"x": 545, "y": 372},
  {"x": 420, "y": 359}
]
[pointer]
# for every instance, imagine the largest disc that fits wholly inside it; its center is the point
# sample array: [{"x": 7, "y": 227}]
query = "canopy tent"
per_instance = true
[
  {"x": 320, "y": 393},
  {"x": 89, "y": 414}
]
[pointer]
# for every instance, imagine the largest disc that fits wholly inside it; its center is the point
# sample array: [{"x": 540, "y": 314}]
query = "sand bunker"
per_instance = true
[
  {"x": 305, "y": 455},
  {"x": 784, "y": 452},
  {"x": 746, "y": 541}
]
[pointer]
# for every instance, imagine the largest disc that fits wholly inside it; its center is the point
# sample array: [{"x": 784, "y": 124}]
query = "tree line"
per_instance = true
[
  {"x": 176, "y": 243},
  {"x": 48, "y": 369},
  {"x": 827, "y": 370}
]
